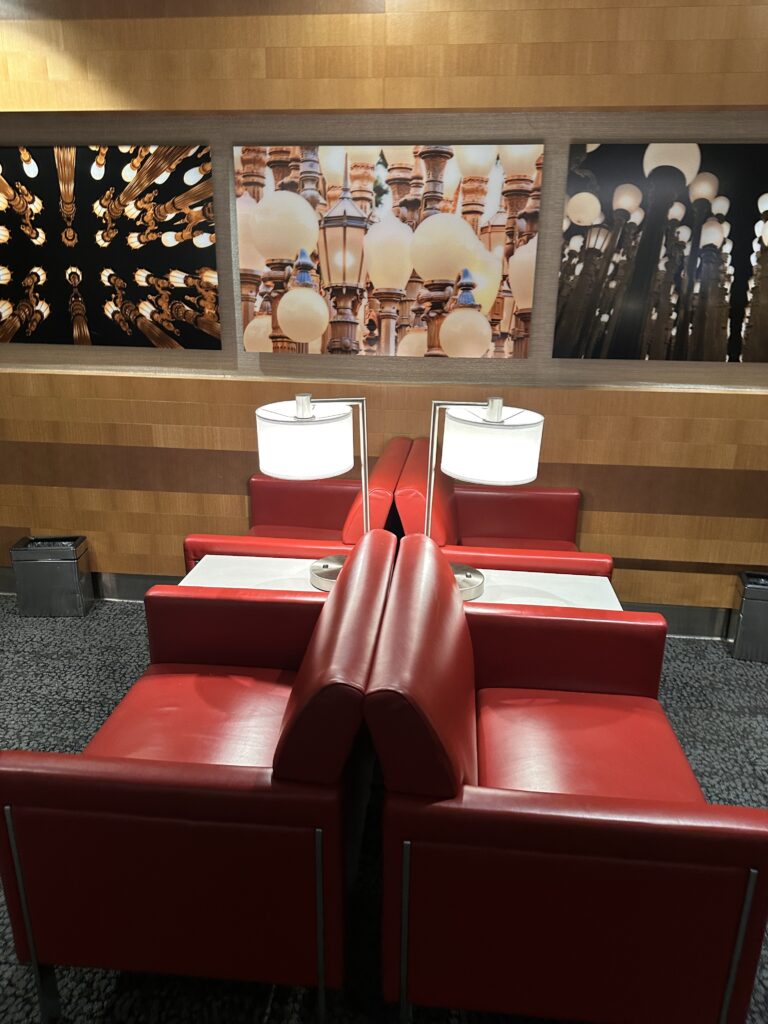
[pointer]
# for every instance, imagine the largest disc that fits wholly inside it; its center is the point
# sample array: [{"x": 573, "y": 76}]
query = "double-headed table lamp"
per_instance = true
[
  {"x": 312, "y": 439},
  {"x": 483, "y": 443}
]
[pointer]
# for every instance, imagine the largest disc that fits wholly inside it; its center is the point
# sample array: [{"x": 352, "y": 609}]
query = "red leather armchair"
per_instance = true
[
  {"x": 202, "y": 831},
  {"x": 547, "y": 849},
  {"x": 308, "y": 518},
  {"x": 526, "y": 528}
]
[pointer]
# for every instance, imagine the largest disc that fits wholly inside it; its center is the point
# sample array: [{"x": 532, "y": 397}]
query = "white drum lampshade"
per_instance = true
[
  {"x": 312, "y": 447},
  {"x": 481, "y": 451}
]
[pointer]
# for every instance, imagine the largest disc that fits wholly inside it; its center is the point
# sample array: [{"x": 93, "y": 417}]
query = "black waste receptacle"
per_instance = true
[
  {"x": 752, "y": 631},
  {"x": 52, "y": 575}
]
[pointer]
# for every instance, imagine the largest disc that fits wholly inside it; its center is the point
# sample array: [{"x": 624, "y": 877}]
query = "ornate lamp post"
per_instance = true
[
  {"x": 77, "y": 311},
  {"x": 465, "y": 332},
  {"x": 303, "y": 313},
  {"x": 400, "y": 161},
  {"x": 341, "y": 268},
  {"x": 434, "y": 159},
  {"x": 475, "y": 164},
  {"x": 29, "y": 312},
  {"x": 669, "y": 168},
  {"x": 442, "y": 247},
  {"x": 519, "y": 165},
  {"x": 707, "y": 340},
  {"x": 282, "y": 224},
  {"x": 388, "y": 254}
]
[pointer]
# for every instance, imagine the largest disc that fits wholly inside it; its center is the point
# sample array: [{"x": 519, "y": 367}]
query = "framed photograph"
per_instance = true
[
  {"x": 664, "y": 253},
  {"x": 388, "y": 251},
  {"x": 108, "y": 245}
]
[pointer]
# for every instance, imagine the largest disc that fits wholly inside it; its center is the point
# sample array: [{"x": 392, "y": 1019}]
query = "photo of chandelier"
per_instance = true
[
  {"x": 108, "y": 245},
  {"x": 665, "y": 253},
  {"x": 404, "y": 250}
]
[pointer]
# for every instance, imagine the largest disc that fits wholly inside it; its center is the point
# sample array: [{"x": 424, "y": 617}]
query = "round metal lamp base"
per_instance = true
[
  {"x": 470, "y": 581},
  {"x": 324, "y": 572}
]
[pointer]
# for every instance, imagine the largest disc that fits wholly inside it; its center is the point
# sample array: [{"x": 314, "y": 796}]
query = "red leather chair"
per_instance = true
[
  {"x": 547, "y": 850},
  {"x": 202, "y": 831},
  {"x": 527, "y": 528},
  {"x": 308, "y": 518}
]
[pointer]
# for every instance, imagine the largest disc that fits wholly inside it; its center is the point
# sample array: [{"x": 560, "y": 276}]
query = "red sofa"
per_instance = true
[
  {"x": 527, "y": 528},
  {"x": 546, "y": 847},
  {"x": 205, "y": 828},
  {"x": 308, "y": 518}
]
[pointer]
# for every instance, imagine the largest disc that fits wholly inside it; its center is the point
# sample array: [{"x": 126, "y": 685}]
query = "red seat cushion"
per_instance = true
[
  {"x": 205, "y": 714},
  {"x": 297, "y": 532},
  {"x": 584, "y": 744},
  {"x": 537, "y": 543}
]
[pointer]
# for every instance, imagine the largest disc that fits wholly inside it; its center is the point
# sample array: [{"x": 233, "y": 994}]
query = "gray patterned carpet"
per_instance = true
[{"x": 60, "y": 678}]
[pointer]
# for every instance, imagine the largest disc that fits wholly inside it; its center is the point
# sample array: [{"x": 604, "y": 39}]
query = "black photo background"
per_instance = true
[
  {"x": 108, "y": 246},
  {"x": 609, "y": 306}
]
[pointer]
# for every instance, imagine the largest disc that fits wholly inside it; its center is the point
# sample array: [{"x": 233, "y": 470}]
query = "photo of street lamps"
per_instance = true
[
  {"x": 665, "y": 253},
  {"x": 402, "y": 250}
]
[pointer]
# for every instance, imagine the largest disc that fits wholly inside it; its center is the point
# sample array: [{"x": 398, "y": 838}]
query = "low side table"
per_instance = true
[
  {"x": 561, "y": 590},
  {"x": 251, "y": 573}
]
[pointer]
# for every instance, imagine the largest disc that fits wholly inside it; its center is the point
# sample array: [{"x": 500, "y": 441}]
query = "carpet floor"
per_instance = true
[{"x": 60, "y": 679}]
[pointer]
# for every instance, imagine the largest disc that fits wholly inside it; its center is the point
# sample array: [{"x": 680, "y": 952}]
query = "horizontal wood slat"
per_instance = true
[{"x": 391, "y": 54}]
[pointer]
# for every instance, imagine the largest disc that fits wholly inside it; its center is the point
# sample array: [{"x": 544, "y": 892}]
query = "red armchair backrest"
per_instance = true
[
  {"x": 381, "y": 489},
  {"x": 534, "y": 513},
  {"x": 324, "y": 711},
  {"x": 411, "y": 497},
  {"x": 420, "y": 701}
]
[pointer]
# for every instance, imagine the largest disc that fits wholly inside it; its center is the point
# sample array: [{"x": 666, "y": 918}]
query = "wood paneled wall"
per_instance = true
[
  {"x": 383, "y": 54},
  {"x": 675, "y": 482}
]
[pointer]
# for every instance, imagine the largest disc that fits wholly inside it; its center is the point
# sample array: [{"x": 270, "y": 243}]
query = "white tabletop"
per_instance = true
[
  {"x": 250, "y": 573},
  {"x": 547, "y": 588}
]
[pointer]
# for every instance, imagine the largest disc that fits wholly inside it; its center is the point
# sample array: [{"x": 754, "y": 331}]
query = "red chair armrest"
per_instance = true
[
  {"x": 577, "y": 563},
  {"x": 584, "y": 650},
  {"x": 197, "y": 545}
]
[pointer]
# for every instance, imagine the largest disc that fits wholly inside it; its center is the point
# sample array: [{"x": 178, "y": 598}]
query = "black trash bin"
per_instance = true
[
  {"x": 53, "y": 575},
  {"x": 752, "y": 631}
]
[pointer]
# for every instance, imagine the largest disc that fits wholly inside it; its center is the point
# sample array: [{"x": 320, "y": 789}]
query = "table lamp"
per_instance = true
[
  {"x": 483, "y": 443},
  {"x": 311, "y": 439}
]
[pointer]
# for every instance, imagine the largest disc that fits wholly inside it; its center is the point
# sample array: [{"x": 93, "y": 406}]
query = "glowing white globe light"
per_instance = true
[
  {"x": 256, "y": 334},
  {"x": 314, "y": 448},
  {"x": 522, "y": 268},
  {"x": 762, "y": 203},
  {"x": 627, "y": 197},
  {"x": 683, "y": 234},
  {"x": 583, "y": 208},
  {"x": 388, "y": 248},
  {"x": 684, "y": 156},
  {"x": 451, "y": 178},
  {"x": 764, "y": 235},
  {"x": 475, "y": 161},
  {"x": 332, "y": 164},
  {"x": 486, "y": 268},
  {"x": 302, "y": 314},
  {"x": 712, "y": 233},
  {"x": 441, "y": 244},
  {"x": 282, "y": 223},
  {"x": 721, "y": 205},
  {"x": 465, "y": 333},
  {"x": 413, "y": 342},
  {"x": 479, "y": 451},
  {"x": 520, "y": 159},
  {"x": 676, "y": 211},
  {"x": 592, "y": 146},
  {"x": 97, "y": 171},
  {"x": 704, "y": 186}
]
